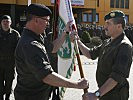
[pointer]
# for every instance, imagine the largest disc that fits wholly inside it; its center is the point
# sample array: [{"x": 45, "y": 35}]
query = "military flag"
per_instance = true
[{"x": 66, "y": 52}]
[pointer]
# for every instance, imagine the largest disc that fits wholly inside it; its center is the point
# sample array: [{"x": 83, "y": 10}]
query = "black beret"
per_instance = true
[
  {"x": 6, "y": 17},
  {"x": 38, "y": 10},
  {"x": 114, "y": 14}
]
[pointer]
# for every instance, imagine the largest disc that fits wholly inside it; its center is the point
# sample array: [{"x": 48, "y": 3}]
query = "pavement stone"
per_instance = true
[{"x": 89, "y": 69}]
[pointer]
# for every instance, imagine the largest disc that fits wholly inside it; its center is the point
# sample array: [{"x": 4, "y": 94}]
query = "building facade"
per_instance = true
[{"x": 90, "y": 12}]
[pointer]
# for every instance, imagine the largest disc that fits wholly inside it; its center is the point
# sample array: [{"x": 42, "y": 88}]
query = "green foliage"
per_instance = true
[
  {"x": 90, "y": 41},
  {"x": 85, "y": 37},
  {"x": 96, "y": 41}
]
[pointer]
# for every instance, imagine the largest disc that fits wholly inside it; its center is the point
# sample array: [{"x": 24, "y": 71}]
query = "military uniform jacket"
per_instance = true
[
  {"x": 8, "y": 42},
  {"x": 115, "y": 58},
  {"x": 49, "y": 47},
  {"x": 32, "y": 66}
]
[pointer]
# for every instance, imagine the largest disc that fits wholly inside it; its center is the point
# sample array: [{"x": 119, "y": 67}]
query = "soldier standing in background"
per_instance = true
[{"x": 8, "y": 41}]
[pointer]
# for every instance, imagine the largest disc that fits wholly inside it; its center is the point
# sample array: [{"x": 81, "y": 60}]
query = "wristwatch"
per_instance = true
[{"x": 97, "y": 94}]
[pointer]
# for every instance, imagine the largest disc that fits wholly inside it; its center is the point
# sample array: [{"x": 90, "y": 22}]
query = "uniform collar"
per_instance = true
[
  {"x": 116, "y": 40},
  {"x": 9, "y": 31},
  {"x": 5, "y": 33},
  {"x": 33, "y": 35}
]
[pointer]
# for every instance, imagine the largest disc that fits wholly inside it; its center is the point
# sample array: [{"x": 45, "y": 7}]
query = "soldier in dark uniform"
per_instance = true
[
  {"x": 8, "y": 41},
  {"x": 48, "y": 42},
  {"x": 114, "y": 62},
  {"x": 35, "y": 74}
]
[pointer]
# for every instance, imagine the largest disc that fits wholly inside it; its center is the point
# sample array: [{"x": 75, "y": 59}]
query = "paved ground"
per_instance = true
[{"x": 89, "y": 68}]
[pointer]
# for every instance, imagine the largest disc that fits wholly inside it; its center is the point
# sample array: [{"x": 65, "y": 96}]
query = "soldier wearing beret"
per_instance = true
[
  {"x": 8, "y": 41},
  {"x": 35, "y": 74},
  {"x": 114, "y": 60}
]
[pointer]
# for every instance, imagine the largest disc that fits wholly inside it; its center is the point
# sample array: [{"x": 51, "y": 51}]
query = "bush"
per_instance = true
[
  {"x": 96, "y": 41},
  {"x": 85, "y": 37}
]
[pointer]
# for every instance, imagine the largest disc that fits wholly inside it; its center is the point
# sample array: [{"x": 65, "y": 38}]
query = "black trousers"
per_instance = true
[{"x": 6, "y": 76}]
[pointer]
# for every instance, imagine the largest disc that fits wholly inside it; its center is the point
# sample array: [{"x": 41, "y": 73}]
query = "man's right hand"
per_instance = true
[
  {"x": 68, "y": 26},
  {"x": 73, "y": 36},
  {"x": 83, "y": 84}
]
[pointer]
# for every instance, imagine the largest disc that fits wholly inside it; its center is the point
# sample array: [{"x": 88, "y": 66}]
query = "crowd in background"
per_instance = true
[
  {"x": 91, "y": 33},
  {"x": 93, "y": 30},
  {"x": 98, "y": 30}
]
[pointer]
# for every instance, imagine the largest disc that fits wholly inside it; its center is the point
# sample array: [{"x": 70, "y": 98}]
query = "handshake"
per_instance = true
[{"x": 84, "y": 84}]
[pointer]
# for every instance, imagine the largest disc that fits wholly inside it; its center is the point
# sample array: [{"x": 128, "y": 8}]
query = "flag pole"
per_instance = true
[
  {"x": 79, "y": 62},
  {"x": 73, "y": 28},
  {"x": 55, "y": 19}
]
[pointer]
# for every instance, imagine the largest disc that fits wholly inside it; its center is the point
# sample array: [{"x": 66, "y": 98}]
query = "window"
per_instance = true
[
  {"x": 97, "y": 3},
  {"x": 85, "y": 17},
  {"x": 127, "y": 4},
  {"x": 90, "y": 17},
  {"x": 127, "y": 18},
  {"x": 117, "y": 4},
  {"x": 97, "y": 18},
  {"x": 122, "y": 4},
  {"x": 112, "y": 3}
]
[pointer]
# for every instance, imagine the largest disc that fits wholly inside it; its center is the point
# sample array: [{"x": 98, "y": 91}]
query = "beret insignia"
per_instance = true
[{"x": 112, "y": 14}]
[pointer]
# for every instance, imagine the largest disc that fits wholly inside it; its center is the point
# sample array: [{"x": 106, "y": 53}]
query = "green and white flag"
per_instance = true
[{"x": 66, "y": 52}]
